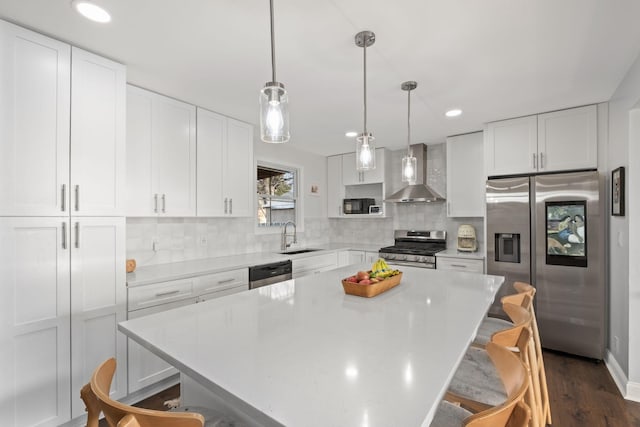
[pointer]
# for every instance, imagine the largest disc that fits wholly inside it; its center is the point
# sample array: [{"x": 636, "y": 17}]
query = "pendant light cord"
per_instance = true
[
  {"x": 365, "y": 86},
  {"x": 273, "y": 45},
  {"x": 410, "y": 154}
]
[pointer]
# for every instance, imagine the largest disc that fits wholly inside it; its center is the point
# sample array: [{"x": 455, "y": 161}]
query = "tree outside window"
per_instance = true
[{"x": 276, "y": 188}]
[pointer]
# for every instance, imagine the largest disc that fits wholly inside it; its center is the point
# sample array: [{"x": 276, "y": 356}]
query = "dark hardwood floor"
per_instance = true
[{"x": 581, "y": 391}]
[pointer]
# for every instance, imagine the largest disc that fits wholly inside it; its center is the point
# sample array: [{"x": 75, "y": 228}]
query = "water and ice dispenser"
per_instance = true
[{"x": 507, "y": 247}]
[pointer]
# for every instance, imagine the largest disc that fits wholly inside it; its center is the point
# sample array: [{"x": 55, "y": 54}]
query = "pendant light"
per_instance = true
[
  {"x": 365, "y": 147},
  {"x": 409, "y": 162},
  {"x": 274, "y": 103}
]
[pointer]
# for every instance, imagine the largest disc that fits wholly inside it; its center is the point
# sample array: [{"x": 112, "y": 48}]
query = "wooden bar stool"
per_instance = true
[
  {"x": 513, "y": 412},
  {"x": 95, "y": 395},
  {"x": 491, "y": 325},
  {"x": 477, "y": 385}
]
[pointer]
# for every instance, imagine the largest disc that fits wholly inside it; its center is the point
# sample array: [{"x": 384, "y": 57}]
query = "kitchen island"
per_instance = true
[{"x": 302, "y": 353}]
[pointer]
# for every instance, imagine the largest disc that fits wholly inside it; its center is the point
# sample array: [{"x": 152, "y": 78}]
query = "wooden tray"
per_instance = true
[{"x": 369, "y": 291}]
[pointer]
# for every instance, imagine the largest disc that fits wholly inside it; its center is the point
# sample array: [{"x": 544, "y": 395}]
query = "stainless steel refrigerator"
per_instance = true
[{"x": 548, "y": 230}]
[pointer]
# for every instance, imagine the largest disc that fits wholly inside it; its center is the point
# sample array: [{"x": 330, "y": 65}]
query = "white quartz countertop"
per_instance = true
[
  {"x": 181, "y": 270},
  {"x": 454, "y": 253},
  {"x": 302, "y": 353}
]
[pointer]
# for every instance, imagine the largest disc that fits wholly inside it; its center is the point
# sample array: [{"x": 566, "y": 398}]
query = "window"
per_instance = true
[{"x": 277, "y": 195}]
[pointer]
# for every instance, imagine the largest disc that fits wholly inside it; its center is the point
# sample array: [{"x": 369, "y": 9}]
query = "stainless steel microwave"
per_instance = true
[{"x": 357, "y": 206}]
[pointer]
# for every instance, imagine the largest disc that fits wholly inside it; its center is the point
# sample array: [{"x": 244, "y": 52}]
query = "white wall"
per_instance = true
[{"x": 624, "y": 243}]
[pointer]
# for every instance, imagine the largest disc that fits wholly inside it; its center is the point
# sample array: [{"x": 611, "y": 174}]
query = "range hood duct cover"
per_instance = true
[{"x": 419, "y": 192}]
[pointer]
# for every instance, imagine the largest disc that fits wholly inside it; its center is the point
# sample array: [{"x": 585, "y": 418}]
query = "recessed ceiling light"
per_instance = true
[
  {"x": 453, "y": 113},
  {"x": 351, "y": 134},
  {"x": 92, "y": 11}
]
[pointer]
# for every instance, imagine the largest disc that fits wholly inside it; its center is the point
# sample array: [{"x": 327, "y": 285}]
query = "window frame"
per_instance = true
[{"x": 299, "y": 197}]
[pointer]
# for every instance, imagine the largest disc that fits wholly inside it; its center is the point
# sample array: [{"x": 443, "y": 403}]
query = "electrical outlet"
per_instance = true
[
  {"x": 203, "y": 240},
  {"x": 616, "y": 345}
]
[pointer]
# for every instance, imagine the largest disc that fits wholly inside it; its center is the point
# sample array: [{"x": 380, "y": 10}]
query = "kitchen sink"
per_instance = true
[{"x": 300, "y": 251}]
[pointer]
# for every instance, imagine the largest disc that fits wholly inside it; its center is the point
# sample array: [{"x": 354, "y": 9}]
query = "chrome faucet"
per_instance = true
[{"x": 284, "y": 245}]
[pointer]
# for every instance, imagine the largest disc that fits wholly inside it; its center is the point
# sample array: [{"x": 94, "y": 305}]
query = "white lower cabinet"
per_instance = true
[
  {"x": 460, "y": 264},
  {"x": 359, "y": 257},
  {"x": 314, "y": 264},
  {"x": 63, "y": 287},
  {"x": 98, "y": 302},
  {"x": 145, "y": 368},
  {"x": 34, "y": 322},
  {"x": 343, "y": 258},
  {"x": 218, "y": 294}
]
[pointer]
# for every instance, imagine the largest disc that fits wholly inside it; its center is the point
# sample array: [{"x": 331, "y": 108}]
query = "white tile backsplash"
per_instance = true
[{"x": 180, "y": 239}]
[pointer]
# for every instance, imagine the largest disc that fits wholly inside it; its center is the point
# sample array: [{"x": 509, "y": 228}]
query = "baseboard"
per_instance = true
[
  {"x": 618, "y": 375},
  {"x": 633, "y": 391}
]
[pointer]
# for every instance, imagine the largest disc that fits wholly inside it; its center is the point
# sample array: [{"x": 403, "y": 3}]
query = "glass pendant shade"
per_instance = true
[
  {"x": 274, "y": 113},
  {"x": 365, "y": 152},
  {"x": 409, "y": 167}
]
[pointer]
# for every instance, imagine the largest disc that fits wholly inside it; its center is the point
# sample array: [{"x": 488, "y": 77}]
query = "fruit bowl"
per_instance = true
[{"x": 373, "y": 289}]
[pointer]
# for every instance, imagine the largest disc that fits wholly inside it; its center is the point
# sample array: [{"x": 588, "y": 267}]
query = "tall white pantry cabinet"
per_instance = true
[{"x": 62, "y": 225}]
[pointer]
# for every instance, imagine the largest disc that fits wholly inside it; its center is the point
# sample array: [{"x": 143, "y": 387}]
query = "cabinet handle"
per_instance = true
[
  {"x": 64, "y": 235},
  {"x": 541, "y": 160},
  {"x": 164, "y": 294},
  {"x": 77, "y": 191},
  {"x": 155, "y": 203},
  {"x": 226, "y": 203},
  {"x": 339, "y": 210},
  {"x": 231, "y": 206},
  {"x": 77, "y": 243},
  {"x": 63, "y": 203},
  {"x": 164, "y": 203},
  {"x": 220, "y": 282},
  {"x": 535, "y": 161},
  {"x": 448, "y": 208},
  {"x": 458, "y": 265}
]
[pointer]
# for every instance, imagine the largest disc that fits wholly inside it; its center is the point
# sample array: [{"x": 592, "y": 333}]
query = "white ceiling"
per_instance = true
[{"x": 494, "y": 59}]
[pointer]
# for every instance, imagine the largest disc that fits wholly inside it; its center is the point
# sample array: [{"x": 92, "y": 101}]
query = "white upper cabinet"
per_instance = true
[
  {"x": 98, "y": 102},
  {"x": 211, "y": 139},
  {"x": 140, "y": 200},
  {"x": 225, "y": 166},
  {"x": 161, "y": 155},
  {"x": 557, "y": 141},
  {"x": 511, "y": 146},
  {"x": 465, "y": 176},
  {"x": 335, "y": 189},
  {"x": 568, "y": 139},
  {"x": 34, "y": 123},
  {"x": 34, "y": 322},
  {"x": 350, "y": 176},
  {"x": 239, "y": 169}
]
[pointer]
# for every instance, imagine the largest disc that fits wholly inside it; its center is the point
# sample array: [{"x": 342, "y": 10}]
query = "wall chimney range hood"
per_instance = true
[{"x": 419, "y": 192}]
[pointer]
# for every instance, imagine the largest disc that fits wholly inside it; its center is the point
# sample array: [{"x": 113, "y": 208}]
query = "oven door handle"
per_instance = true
[{"x": 412, "y": 264}]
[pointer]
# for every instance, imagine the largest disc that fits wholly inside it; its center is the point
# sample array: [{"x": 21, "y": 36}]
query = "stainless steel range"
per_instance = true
[{"x": 415, "y": 248}]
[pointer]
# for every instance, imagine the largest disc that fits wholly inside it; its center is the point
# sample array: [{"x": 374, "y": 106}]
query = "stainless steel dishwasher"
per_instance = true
[{"x": 267, "y": 274}]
